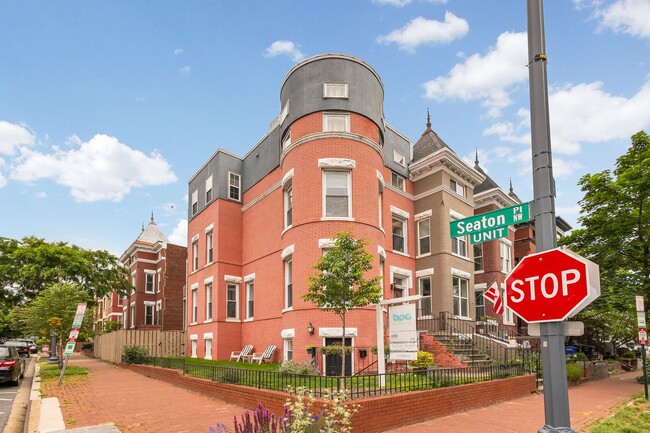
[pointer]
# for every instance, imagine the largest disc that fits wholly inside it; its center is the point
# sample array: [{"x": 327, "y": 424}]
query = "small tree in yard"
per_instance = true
[{"x": 339, "y": 284}]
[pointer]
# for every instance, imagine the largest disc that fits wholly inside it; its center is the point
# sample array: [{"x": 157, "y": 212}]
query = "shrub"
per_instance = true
[
  {"x": 135, "y": 354},
  {"x": 305, "y": 367},
  {"x": 574, "y": 372},
  {"x": 424, "y": 361},
  {"x": 628, "y": 355}
]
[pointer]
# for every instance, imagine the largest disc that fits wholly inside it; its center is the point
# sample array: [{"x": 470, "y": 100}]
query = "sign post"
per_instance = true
[
  {"x": 643, "y": 340},
  {"x": 72, "y": 338}
]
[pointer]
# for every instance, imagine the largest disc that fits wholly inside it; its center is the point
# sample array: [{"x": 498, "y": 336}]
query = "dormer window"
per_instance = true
[
  {"x": 399, "y": 158},
  {"x": 335, "y": 90}
]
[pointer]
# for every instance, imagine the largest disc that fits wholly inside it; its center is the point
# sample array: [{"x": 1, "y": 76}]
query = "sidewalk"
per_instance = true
[{"x": 138, "y": 404}]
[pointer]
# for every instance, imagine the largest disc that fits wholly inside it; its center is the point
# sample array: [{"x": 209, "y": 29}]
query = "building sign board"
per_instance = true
[
  {"x": 490, "y": 222},
  {"x": 402, "y": 331}
]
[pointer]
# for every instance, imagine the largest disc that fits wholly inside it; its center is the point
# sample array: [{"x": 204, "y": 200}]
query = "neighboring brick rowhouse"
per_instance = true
[
  {"x": 413, "y": 406},
  {"x": 174, "y": 281}
]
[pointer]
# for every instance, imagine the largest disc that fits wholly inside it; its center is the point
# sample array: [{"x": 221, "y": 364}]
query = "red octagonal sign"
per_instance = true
[{"x": 551, "y": 286}]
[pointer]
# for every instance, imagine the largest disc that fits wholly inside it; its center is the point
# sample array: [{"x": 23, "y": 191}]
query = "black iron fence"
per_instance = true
[{"x": 357, "y": 386}]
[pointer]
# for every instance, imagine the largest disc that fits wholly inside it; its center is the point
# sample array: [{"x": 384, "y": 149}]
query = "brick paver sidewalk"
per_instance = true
[
  {"x": 136, "y": 403},
  {"x": 588, "y": 402}
]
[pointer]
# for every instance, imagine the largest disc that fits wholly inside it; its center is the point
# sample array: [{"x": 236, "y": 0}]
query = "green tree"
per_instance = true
[
  {"x": 615, "y": 233},
  {"x": 28, "y": 266},
  {"x": 53, "y": 310},
  {"x": 339, "y": 284}
]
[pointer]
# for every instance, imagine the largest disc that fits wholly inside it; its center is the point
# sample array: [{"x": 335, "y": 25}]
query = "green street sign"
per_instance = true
[
  {"x": 69, "y": 348},
  {"x": 490, "y": 225}
]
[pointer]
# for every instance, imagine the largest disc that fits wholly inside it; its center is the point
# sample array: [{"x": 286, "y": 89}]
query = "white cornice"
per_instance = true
[
  {"x": 445, "y": 158},
  {"x": 495, "y": 196}
]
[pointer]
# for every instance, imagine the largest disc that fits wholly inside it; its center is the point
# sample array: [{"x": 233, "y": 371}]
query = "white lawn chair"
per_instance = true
[
  {"x": 242, "y": 355},
  {"x": 266, "y": 356}
]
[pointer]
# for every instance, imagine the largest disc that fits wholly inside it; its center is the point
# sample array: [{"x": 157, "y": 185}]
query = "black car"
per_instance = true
[
  {"x": 22, "y": 347},
  {"x": 12, "y": 365}
]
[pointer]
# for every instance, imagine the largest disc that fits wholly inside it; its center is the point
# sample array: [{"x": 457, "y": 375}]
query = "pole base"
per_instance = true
[
  {"x": 53, "y": 360},
  {"x": 550, "y": 429}
]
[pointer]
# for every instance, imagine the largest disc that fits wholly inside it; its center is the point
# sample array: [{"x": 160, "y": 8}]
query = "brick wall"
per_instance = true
[
  {"x": 413, "y": 406},
  {"x": 174, "y": 280}
]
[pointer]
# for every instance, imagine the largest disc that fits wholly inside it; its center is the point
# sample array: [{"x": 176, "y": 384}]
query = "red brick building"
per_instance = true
[
  {"x": 158, "y": 277},
  {"x": 329, "y": 162}
]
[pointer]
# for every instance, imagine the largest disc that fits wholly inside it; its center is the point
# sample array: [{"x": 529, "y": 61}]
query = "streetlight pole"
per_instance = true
[
  {"x": 556, "y": 391},
  {"x": 53, "y": 359}
]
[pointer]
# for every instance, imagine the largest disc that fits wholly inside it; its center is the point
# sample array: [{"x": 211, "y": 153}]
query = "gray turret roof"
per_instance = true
[
  {"x": 428, "y": 143},
  {"x": 152, "y": 234},
  {"x": 488, "y": 183}
]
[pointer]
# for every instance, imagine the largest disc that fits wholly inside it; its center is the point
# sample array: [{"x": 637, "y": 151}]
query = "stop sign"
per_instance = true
[{"x": 551, "y": 286}]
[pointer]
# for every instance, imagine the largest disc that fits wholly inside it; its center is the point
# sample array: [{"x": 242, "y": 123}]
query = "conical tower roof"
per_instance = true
[
  {"x": 428, "y": 143},
  {"x": 152, "y": 234}
]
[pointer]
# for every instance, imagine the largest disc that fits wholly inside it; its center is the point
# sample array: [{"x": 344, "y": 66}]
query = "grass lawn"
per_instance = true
[
  {"x": 50, "y": 377},
  {"x": 632, "y": 416}
]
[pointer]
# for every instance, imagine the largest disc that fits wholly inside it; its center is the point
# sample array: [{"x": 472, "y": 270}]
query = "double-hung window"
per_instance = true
[
  {"x": 399, "y": 234},
  {"x": 336, "y": 122},
  {"x": 209, "y": 248},
  {"x": 397, "y": 181},
  {"x": 424, "y": 237},
  {"x": 288, "y": 206},
  {"x": 478, "y": 258},
  {"x": 234, "y": 186},
  {"x": 150, "y": 281},
  {"x": 195, "y": 304},
  {"x": 208, "y": 301},
  {"x": 288, "y": 283},
  {"x": 232, "y": 301},
  {"x": 424, "y": 287},
  {"x": 457, "y": 188},
  {"x": 149, "y": 313},
  {"x": 208, "y": 189},
  {"x": 195, "y": 255},
  {"x": 288, "y": 349},
  {"x": 505, "y": 257},
  {"x": 250, "y": 299},
  {"x": 459, "y": 246},
  {"x": 132, "y": 315},
  {"x": 480, "y": 304},
  {"x": 286, "y": 141},
  {"x": 195, "y": 202},
  {"x": 461, "y": 296},
  {"x": 337, "y": 193}
]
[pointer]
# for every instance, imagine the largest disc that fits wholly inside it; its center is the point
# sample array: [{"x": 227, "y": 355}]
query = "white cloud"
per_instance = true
[
  {"x": 567, "y": 210},
  {"x": 585, "y": 113},
  {"x": 487, "y": 78},
  {"x": 287, "y": 48},
  {"x": 41, "y": 194},
  {"x": 185, "y": 70},
  {"x": 627, "y": 16},
  {"x": 563, "y": 168},
  {"x": 420, "y": 31},
  {"x": 3, "y": 181},
  {"x": 99, "y": 169},
  {"x": 170, "y": 208},
  {"x": 178, "y": 51},
  {"x": 12, "y": 136},
  {"x": 178, "y": 235}
]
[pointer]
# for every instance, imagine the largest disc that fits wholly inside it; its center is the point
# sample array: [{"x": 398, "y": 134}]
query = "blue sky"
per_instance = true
[{"x": 108, "y": 108}]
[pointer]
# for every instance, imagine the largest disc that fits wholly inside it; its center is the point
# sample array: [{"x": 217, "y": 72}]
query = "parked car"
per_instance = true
[
  {"x": 12, "y": 365},
  {"x": 32, "y": 345},
  {"x": 21, "y": 347}
]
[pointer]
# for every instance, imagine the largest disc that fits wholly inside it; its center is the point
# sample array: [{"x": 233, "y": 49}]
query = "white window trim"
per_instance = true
[
  {"x": 132, "y": 314},
  {"x": 345, "y": 85},
  {"x": 239, "y": 186},
  {"x": 326, "y": 115},
  {"x": 195, "y": 200},
  {"x": 153, "y": 315},
  {"x": 469, "y": 304},
  {"x": 406, "y": 273},
  {"x": 288, "y": 259},
  {"x": 209, "y": 245},
  {"x": 248, "y": 284},
  {"x": 423, "y": 215},
  {"x": 405, "y": 224},
  {"x": 417, "y": 228},
  {"x": 399, "y": 212},
  {"x": 236, "y": 318},
  {"x": 205, "y": 345},
  {"x": 209, "y": 186},
  {"x": 150, "y": 272},
  {"x": 397, "y": 156},
  {"x": 158, "y": 281},
  {"x": 194, "y": 289},
  {"x": 207, "y": 310},
  {"x": 232, "y": 279},
  {"x": 337, "y": 163},
  {"x": 424, "y": 273},
  {"x": 324, "y": 196}
]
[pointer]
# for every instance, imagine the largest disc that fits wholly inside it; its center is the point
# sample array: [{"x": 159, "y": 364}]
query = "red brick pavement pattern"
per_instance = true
[
  {"x": 588, "y": 402},
  {"x": 135, "y": 403}
]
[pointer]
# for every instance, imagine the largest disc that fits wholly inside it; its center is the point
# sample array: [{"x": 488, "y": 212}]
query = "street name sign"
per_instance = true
[
  {"x": 490, "y": 225},
  {"x": 551, "y": 286}
]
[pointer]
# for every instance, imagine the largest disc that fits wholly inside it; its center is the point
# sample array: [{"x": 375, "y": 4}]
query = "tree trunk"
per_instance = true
[{"x": 343, "y": 353}]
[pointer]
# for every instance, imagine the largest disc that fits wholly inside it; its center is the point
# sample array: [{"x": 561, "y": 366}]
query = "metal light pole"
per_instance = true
[
  {"x": 556, "y": 391},
  {"x": 53, "y": 359}
]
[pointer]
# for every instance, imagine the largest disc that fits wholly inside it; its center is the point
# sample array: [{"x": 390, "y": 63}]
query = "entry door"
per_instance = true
[{"x": 333, "y": 363}]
